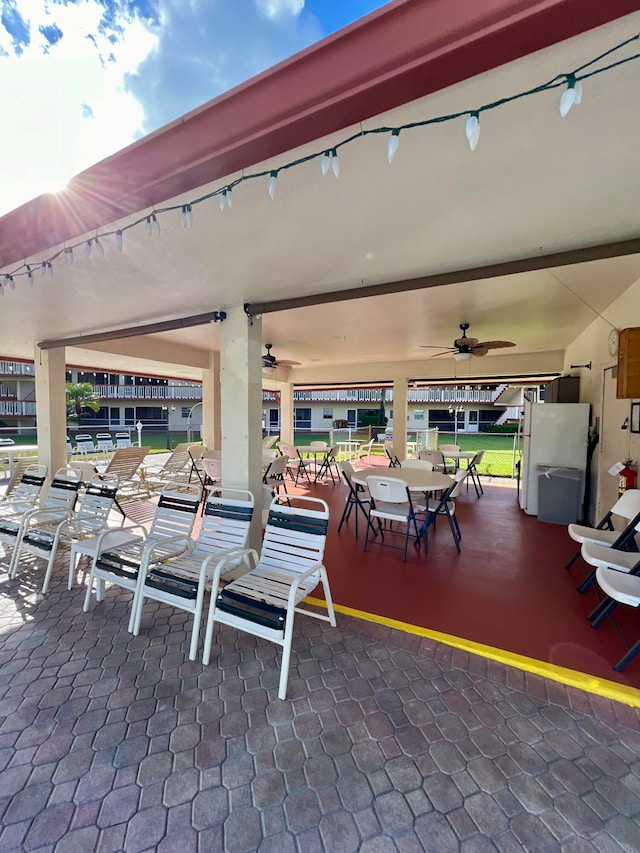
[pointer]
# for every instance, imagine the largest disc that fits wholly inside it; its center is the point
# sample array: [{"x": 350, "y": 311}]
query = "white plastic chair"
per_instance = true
[
  {"x": 445, "y": 506},
  {"x": 182, "y": 581},
  {"x": 604, "y": 533},
  {"x": 364, "y": 452},
  {"x": 391, "y": 501},
  {"x": 436, "y": 457},
  {"x": 626, "y": 507},
  {"x": 295, "y": 463},
  {"x": 274, "y": 475},
  {"x": 264, "y": 601},
  {"x": 329, "y": 464},
  {"x": 172, "y": 521},
  {"x": 358, "y": 498},
  {"x": 43, "y": 535},
  {"x": 452, "y": 448}
]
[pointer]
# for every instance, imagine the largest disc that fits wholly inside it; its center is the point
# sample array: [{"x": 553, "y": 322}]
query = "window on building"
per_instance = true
[
  {"x": 184, "y": 411},
  {"x": 418, "y": 414},
  {"x": 327, "y": 413},
  {"x": 302, "y": 418}
]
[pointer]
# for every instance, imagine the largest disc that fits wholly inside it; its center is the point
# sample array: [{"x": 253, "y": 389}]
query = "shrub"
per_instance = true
[{"x": 340, "y": 423}]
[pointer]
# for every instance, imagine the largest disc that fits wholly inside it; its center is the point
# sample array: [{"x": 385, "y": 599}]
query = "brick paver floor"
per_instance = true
[{"x": 387, "y": 742}]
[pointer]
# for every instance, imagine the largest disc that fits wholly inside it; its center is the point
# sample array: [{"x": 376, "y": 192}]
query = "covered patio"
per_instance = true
[{"x": 531, "y": 238}]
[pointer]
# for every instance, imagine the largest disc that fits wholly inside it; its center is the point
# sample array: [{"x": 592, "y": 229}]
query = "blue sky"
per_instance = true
[{"x": 83, "y": 78}]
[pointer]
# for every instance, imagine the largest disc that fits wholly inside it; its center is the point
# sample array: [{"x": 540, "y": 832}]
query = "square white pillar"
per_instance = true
[
  {"x": 51, "y": 408},
  {"x": 400, "y": 417},
  {"x": 241, "y": 408},
  {"x": 286, "y": 412},
  {"x": 211, "y": 424}
]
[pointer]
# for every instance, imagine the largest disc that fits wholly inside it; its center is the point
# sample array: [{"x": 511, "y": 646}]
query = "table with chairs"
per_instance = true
[{"x": 397, "y": 499}]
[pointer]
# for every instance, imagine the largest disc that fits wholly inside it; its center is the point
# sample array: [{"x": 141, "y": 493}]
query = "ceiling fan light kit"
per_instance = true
[{"x": 462, "y": 356}]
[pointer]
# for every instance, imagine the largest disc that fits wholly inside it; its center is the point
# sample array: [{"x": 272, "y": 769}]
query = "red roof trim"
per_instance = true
[{"x": 403, "y": 51}]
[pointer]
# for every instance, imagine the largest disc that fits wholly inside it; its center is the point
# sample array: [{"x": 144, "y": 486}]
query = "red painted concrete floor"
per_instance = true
[{"x": 507, "y": 589}]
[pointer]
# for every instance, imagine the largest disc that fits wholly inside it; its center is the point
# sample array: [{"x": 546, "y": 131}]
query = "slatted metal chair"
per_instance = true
[
  {"x": 182, "y": 581},
  {"x": 123, "y": 439},
  {"x": 173, "y": 520},
  {"x": 24, "y": 488},
  {"x": 44, "y": 534},
  {"x": 84, "y": 445},
  {"x": 59, "y": 499},
  {"x": 125, "y": 465},
  {"x": 264, "y": 601},
  {"x": 104, "y": 443},
  {"x": 178, "y": 468}
]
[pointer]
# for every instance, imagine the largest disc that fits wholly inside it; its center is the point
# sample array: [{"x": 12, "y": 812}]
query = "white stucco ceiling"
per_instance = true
[{"x": 537, "y": 184}]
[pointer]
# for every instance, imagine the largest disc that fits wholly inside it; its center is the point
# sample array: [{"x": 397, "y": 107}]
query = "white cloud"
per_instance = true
[
  {"x": 83, "y": 78},
  {"x": 275, "y": 9},
  {"x": 63, "y": 104}
]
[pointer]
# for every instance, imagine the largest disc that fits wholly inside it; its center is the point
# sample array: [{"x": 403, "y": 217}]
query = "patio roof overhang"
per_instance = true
[{"x": 436, "y": 211}]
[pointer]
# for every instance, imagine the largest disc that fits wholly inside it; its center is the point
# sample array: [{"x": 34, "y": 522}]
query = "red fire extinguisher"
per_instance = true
[{"x": 627, "y": 478}]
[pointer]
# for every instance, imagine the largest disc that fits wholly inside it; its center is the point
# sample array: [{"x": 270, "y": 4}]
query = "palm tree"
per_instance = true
[{"x": 81, "y": 396}]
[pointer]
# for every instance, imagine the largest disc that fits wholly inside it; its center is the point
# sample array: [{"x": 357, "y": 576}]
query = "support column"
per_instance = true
[
  {"x": 400, "y": 417},
  {"x": 241, "y": 408},
  {"x": 211, "y": 428},
  {"x": 51, "y": 408},
  {"x": 286, "y": 412}
]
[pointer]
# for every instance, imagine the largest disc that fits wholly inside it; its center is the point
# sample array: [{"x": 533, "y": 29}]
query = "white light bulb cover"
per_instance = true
[
  {"x": 12, "y": 283},
  {"x": 392, "y": 145},
  {"x": 472, "y": 129},
  {"x": 148, "y": 227},
  {"x": 222, "y": 202},
  {"x": 335, "y": 163},
  {"x": 273, "y": 183},
  {"x": 119, "y": 241},
  {"x": 571, "y": 96},
  {"x": 87, "y": 249},
  {"x": 578, "y": 90},
  {"x": 98, "y": 247},
  {"x": 325, "y": 163},
  {"x": 186, "y": 216},
  {"x": 462, "y": 356},
  {"x": 155, "y": 225},
  {"x": 229, "y": 195},
  {"x": 50, "y": 269}
]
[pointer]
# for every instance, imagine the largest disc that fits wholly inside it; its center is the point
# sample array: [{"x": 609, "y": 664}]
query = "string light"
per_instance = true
[
  {"x": 392, "y": 145},
  {"x": 571, "y": 96},
  {"x": 472, "y": 129},
  {"x": 273, "y": 183},
  {"x": 186, "y": 216}
]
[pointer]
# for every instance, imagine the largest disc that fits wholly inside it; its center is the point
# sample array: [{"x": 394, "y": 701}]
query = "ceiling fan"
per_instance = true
[
  {"x": 270, "y": 362},
  {"x": 464, "y": 348}
]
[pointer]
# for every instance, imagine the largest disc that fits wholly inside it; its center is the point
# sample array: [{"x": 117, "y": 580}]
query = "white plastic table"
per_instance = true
[
  {"x": 87, "y": 548},
  {"x": 13, "y": 450}
]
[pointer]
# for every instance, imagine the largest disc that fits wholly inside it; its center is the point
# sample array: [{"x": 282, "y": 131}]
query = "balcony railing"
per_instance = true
[
  {"x": 149, "y": 392},
  {"x": 435, "y": 394},
  {"x": 16, "y": 368},
  {"x": 17, "y": 408}
]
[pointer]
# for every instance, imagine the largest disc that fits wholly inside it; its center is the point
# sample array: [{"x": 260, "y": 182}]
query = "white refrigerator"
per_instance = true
[{"x": 553, "y": 434}]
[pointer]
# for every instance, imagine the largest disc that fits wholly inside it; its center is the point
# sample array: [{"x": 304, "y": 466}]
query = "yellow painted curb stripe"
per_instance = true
[{"x": 572, "y": 678}]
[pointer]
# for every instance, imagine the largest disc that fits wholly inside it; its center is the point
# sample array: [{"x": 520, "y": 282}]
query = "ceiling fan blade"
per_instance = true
[
  {"x": 444, "y": 352},
  {"x": 479, "y": 350},
  {"x": 286, "y": 363},
  {"x": 465, "y": 342},
  {"x": 434, "y": 346},
  {"x": 495, "y": 344}
]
